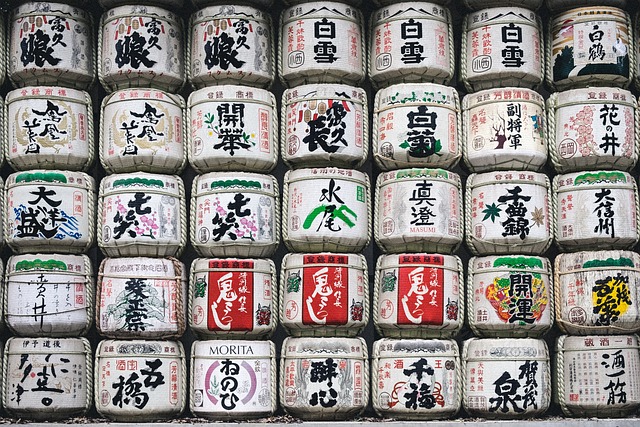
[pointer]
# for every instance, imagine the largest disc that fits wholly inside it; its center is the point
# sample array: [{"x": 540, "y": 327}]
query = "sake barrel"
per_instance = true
[
  {"x": 510, "y": 296},
  {"x": 508, "y": 212},
  {"x": 47, "y": 378},
  {"x": 142, "y": 214},
  {"x": 598, "y": 375},
  {"x": 507, "y": 378},
  {"x": 49, "y": 127},
  {"x": 49, "y": 211},
  {"x": 324, "y": 125},
  {"x": 140, "y": 380},
  {"x": 590, "y": 46},
  {"x": 324, "y": 378},
  {"x": 596, "y": 210},
  {"x": 324, "y": 294},
  {"x": 140, "y": 297},
  {"x": 233, "y": 298},
  {"x": 231, "y": 44},
  {"x": 235, "y": 214},
  {"x": 50, "y": 44},
  {"x": 415, "y": 379},
  {"x": 232, "y": 128},
  {"x": 233, "y": 379},
  {"x": 418, "y": 210},
  {"x": 501, "y": 46},
  {"x": 593, "y": 128},
  {"x": 504, "y": 129},
  {"x": 411, "y": 42},
  {"x": 143, "y": 130},
  {"x": 418, "y": 295},
  {"x": 49, "y": 295},
  {"x": 321, "y": 42},
  {"x": 326, "y": 209},
  {"x": 596, "y": 292},
  {"x": 416, "y": 125},
  {"x": 141, "y": 46}
]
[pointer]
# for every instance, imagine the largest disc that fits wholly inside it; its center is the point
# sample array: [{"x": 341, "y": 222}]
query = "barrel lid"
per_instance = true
[
  {"x": 593, "y": 95},
  {"x": 142, "y": 181},
  {"x": 418, "y": 174},
  {"x": 591, "y": 13},
  {"x": 297, "y": 260},
  {"x": 501, "y": 16},
  {"x": 497, "y": 349},
  {"x": 226, "y": 93},
  {"x": 324, "y": 91},
  {"x": 409, "y": 94},
  {"x": 127, "y": 11},
  {"x": 113, "y": 348},
  {"x": 448, "y": 262},
  {"x": 54, "y": 263},
  {"x": 134, "y": 94},
  {"x": 594, "y": 179},
  {"x": 499, "y": 95},
  {"x": 166, "y": 268},
  {"x": 19, "y": 345},
  {"x": 255, "y": 265},
  {"x": 345, "y": 348},
  {"x": 225, "y": 182},
  {"x": 51, "y": 177},
  {"x": 48, "y": 92},
  {"x": 327, "y": 9},
  {"x": 50, "y": 9},
  {"x": 567, "y": 343},
  {"x": 407, "y": 10},
  {"x": 220, "y": 12},
  {"x": 306, "y": 174},
  {"x": 487, "y": 264},
  {"x": 386, "y": 347}
]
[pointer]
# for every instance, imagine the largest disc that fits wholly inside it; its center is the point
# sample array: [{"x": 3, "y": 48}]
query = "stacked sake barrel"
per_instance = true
[
  {"x": 235, "y": 211},
  {"x": 418, "y": 303},
  {"x": 508, "y": 213},
  {"x": 324, "y": 293},
  {"x": 593, "y": 143},
  {"x": 142, "y": 221},
  {"x": 49, "y": 212}
]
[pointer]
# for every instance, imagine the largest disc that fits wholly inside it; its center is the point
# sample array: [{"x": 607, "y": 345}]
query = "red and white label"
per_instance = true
[
  {"x": 325, "y": 292},
  {"x": 230, "y": 300},
  {"x": 420, "y": 292}
]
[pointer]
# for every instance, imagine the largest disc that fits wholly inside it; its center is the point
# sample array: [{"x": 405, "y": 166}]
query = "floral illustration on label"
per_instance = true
[
  {"x": 134, "y": 218},
  {"x": 138, "y": 303},
  {"x": 516, "y": 223},
  {"x": 335, "y": 209},
  {"x": 44, "y": 216},
  {"x": 522, "y": 297},
  {"x": 236, "y": 221},
  {"x": 229, "y": 128}
]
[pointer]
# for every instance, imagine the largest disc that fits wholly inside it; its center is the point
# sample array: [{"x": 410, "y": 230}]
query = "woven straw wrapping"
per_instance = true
[
  {"x": 146, "y": 165},
  {"x": 301, "y": 330},
  {"x": 203, "y": 332},
  {"x": 149, "y": 332},
  {"x": 417, "y": 331}
]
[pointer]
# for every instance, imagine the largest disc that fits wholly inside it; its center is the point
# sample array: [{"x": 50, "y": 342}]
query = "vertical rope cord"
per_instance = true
[
  {"x": 375, "y": 136},
  {"x": 185, "y": 124},
  {"x": 194, "y": 211},
  {"x": 463, "y": 374},
  {"x": 180, "y": 303},
  {"x": 365, "y": 133},
  {"x": 99, "y": 296},
  {"x": 90, "y": 129},
  {"x": 89, "y": 375},
  {"x": 183, "y": 378},
  {"x": 631, "y": 51},
  {"x": 463, "y": 56},
  {"x": 542, "y": 55},
  {"x": 560, "y": 391},
  {"x": 452, "y": 48},
  {"x": 188, "y": 55},
  {"x": 99, "y": 227},
  {"x": 275, "y": 299},
  {"x": 101, "y": 77},
  {"x": 375, "y": 308},
  {"x": 550, "y": 132},
  {"x": 459, "y": 377},
  {"x": 183, "y": 216},
  {"x": 283, "y": 291},
  {"x": 189, "y": 137},
  {"x": 90, "y": 294},
  {"x": 275, "y": 135},
  {"x": 459, "y": 132},
  {"x": 101, "y": 157},
  {"x": 366, "y": 387},
  {"x": 190, "y": 297},
  {"x": 285, "y": 214},
  {"x": 461, "y": 299},
  {"x": 636, "y": 130},
  {"x": 280, "y": 62},
  {"x": 274, "y": 377},
  {"x": 367, "y": 309},
  {"x": 548, "y": 74},
  {"x": 284, "y": 153},
  {"x": 91, "y": 207},
  {"x": 272, "y": 57},
  {"x": 468, "y": 232},
  {"x": 377, "y": 216}
]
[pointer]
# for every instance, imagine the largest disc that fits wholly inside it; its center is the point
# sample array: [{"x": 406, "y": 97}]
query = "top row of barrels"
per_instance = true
[{"x": 319, "y": 42}]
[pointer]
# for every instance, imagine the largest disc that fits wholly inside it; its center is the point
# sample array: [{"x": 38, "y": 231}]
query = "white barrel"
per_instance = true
[
  {"x": 142, "y": 214},
  {"x": 233, "y": 298},
  {"x": 596, "y": 292},
  {"x": 141, "y": 297},
  {"x": 411, "y": 42},
  {"x": 235, "y": 214},
  {"x": 504, "y": 129},
  {"x": 231, "y": 44},
  {"x": 324, "y": 294},
  {"x": 50, "y": 44},
  {"x": 324, "y": 125},
  {"x": 324, "y": 378},
  {"x": 143, "y": 130},
  {"x": 49, "y": 211},
  {"x": 321, "y": 42},
  {"x": 418, "y": 295},
  {"x": 414, "y": 379},
  {"x": 49, "y": 295},
  {"x": 141, "y": 46},
  {"x": 47, "y": 378},
  {"x": 593, "y": 128},
  {"x": 232, "y": 128},
  {"x": 416, "y": 125},
  {"x": 418, "y": 210},
  {"x": 140, "y": 381},
  {"x": 481, "y": 4},
  {"x": 506, "y": 378},
  {"x": 510, "y": 296},
  {"x": 597, "y": 375},
  {"x": 233, "y": 379},
  {"x": 326, "y": 209},
  {"x": 595, "y": 210},
  {"x": 170, "y": 4},
  {"x": 48, "y": 127},
  {"x": 502, "y": 46},
  {"x": 508, "y": 212},
  {"x": 590, "y": 46}
]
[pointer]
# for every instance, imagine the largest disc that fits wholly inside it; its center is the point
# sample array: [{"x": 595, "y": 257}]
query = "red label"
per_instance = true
[
  {"x": 420, "y": 290},
  {"x": 230, "y": 298},
  {"x": 325, "y": 291}
]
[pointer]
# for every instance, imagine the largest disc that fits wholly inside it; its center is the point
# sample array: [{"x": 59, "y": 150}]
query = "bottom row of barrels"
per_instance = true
[{"x": 321, "y": 378}]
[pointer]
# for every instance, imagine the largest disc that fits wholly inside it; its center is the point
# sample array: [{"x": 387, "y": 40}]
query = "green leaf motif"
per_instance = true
[{"x": 491, "y": 211}]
